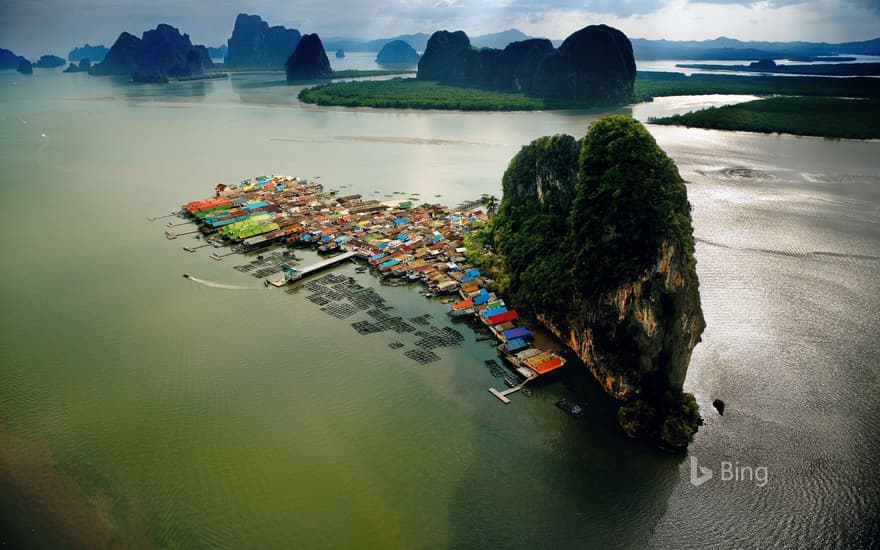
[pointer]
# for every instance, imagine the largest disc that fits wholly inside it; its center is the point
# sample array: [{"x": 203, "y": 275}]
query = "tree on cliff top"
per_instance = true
[
  {"x": 585, "y": 216},
  {"x": 594, "y": 237},
  {"x": 629, "y": 198}
]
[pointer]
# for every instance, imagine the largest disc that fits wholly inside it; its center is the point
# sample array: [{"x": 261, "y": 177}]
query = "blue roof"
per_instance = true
[
  {"x": 401, "y": 221},
  {"x": 375, "y": 257},
  {"x": 518, "y": 332},
  {"x": 467, "y": 280},
  {"x": 472, "y": 272},
  {"x": 481, "y": 299},
  {"x": 516, "y": 344},
  {"x": 437, "y": 238},
  {"x": 389, "y": 263},
  {"x": 259, "y": 204},
  {"x": 491, "y": 312},
  {"x": 402, "y": 237}
]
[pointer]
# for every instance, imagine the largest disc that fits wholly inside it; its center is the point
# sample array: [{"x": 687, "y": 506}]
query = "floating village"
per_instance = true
[{"x": 397, "y": 240}]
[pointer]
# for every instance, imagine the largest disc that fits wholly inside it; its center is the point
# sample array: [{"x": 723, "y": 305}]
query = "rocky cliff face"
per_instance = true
[
  {"x": 593, "y": 65},
  {"x": 255, "y": 44},
  {"x": 397, "y": 52},
  {"x": 49, "y": 62},
  {"x": 162, "y": 51},
  {"x": 84, "y": 66},
  {"x": 309, "y": 60},
  {"x": 25, "y": 67},
  {"x": 8, "y": 60},
  {"x": 94, "y": 53},
  {"x": 446, "y": 57},
  {"x": 595, "y": 238}
]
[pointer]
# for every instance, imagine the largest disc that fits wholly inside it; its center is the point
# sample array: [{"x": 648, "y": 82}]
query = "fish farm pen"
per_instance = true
[{"x": 396, "y": 240}]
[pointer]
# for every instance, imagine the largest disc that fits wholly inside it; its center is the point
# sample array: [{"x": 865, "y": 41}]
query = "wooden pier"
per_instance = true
[
  {"x": 314, "y": 268},
  {"x": 502, "y": 395}
]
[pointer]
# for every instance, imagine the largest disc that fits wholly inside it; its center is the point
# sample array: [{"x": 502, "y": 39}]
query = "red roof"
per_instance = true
[{"x": 502, "y": 317}]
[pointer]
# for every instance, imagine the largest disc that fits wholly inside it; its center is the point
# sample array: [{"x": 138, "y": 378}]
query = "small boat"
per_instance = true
[
  {"x": 185, "y": 276},
  {"x": 570, "y": 408}
]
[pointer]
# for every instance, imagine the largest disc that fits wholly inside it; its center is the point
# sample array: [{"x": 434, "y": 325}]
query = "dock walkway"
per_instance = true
[
  {"x": 502, "y": 395},
  {"x": 314, "y": 268}
]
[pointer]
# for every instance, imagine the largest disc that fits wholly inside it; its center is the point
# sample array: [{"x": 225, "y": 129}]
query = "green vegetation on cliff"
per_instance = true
[
  {"x": 606, "y": 204},
  {"x": 594, "y": 237},
  {"x": 806, "y": 116}
]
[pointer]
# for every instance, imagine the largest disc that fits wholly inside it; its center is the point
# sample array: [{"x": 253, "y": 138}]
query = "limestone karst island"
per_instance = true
[{"x": 440, "y": 274}]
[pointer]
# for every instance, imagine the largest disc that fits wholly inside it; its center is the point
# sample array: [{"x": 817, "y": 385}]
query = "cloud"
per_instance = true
[
  {"x": 769, "y": 3},
  {"x": 34, "y": 27},
  {"x": 873, "y": 5}
]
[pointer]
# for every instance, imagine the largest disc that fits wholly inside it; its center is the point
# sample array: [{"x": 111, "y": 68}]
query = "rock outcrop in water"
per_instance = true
[
  {"x": 161, "y": 52},
  {"x": 255, "y": 44},
  {"x": 95, "y": 53},
  {"x": 25, "y": 67},
  {"x": 309, "y": 60},
  {"x": 595, "y": 238},
  {"x": 397, "y": 52},
  {"x": 8, "y": 60},
  {"x": 49, "y": 62},
  {"x": 593, "y": 65},
  {"x": 84, "y": 66}
]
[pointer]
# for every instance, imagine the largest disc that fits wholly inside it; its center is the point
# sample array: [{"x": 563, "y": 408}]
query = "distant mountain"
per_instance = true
[
  {"x": 163, "y": 51},
  {"x": 218, "y": 52},
  {"x": 499, "y": 40},
  {"x": 255, "y": 44},
  {"x": 733, "y": 49},
  {"x": 397, "y": 52},
  {"x": 309, "y": 60},
  {"x": 49, "y": 62},
  {"x": 93, "y": 53},
  {"x": 718, "y": 48},
  {"x": 594, "y": 65},
  {"x": 419, "y": 41}
]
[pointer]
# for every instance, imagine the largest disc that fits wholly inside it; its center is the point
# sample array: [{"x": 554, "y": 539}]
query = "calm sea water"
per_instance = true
[{"x": 141, "y": 409}]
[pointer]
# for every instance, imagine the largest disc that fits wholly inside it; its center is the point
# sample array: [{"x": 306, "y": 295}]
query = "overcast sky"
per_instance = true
[{"x": 34, "y": 27}]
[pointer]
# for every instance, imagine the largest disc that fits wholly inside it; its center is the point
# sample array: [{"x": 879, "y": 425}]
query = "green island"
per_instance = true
[
  {"x": 651, "y": 84},
  {"x": 409, "y": 93},
  {"x": 808, "y": 116}
]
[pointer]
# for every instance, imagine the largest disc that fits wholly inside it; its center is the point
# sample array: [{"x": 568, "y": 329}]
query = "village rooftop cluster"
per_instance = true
[{"x": 397, "y": 239}]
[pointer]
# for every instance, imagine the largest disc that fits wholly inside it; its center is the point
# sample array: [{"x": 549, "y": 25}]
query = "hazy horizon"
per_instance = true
[{"x": 34, "y": 28}]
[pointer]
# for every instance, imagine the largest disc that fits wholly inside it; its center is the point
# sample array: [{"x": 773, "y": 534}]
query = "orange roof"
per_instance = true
[
  {"x": 549, "y": 365},
  {"x": 462, "y": 304}
]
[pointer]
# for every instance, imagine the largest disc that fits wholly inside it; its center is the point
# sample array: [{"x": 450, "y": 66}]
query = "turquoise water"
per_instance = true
[{"x": 145, "y": 410}]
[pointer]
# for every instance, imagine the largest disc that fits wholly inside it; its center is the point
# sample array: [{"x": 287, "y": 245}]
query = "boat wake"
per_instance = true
[{"x": 224, "y": 286}]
